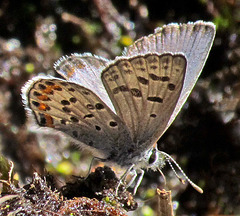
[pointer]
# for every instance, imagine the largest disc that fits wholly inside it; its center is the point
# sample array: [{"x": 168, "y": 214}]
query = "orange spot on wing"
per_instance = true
[
  {"x": 49, "y": 89},
  {"x": 70, "y": 71},
  {"x": 81, "y": 66},
  {"x": 43, "y": 97},
  {"x": 43, "y": 107},
  {"x": 49, "y": 121}
]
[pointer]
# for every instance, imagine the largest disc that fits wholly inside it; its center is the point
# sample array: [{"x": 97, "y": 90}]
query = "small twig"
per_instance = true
[
  {"x": 111, "y": 17},
  {"x": 84, "y": 27},
  {"x": 10, "y": 172},
  {"x": 165, "y": 207}
]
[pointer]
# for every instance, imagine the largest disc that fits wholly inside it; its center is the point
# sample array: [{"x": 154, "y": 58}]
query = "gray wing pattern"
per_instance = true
[
  {"x": 144, "y": 90},
  {"x": 194, "y": 40}
]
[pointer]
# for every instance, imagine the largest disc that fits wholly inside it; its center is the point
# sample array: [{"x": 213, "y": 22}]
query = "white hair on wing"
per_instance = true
[{"x": 25, "y": 90}]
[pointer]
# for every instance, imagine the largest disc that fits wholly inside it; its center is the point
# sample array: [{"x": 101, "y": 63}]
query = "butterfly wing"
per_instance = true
[
  {"x": 194, "y": 40},
  {"x": 76, "y": 111},
  {"x": 144, "y": 90},
  {"x": 147, "y": 87},
  {"x": 85, "y": 69}
]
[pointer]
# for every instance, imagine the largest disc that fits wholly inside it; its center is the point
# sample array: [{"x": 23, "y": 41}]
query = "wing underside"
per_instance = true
[{"x": 144, "y": 90}]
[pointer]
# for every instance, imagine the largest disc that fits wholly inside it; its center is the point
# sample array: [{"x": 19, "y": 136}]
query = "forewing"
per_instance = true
[
  {"x": 144, "y": 90},
  {"x": 84, "y": 69},
  {"x": 76, "y": 111},
  {"x": 194, "y": 40}
]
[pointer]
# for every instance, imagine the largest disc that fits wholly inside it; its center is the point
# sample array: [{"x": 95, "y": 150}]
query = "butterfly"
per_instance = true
[{"x": 118, "y": 109}]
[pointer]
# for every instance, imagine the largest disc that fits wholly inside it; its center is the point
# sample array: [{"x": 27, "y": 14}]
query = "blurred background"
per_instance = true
[{"x": 205, "y": 137}]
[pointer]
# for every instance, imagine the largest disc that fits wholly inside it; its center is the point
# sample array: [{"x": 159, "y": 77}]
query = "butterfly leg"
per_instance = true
[
  {"x": 123, "y": 177},
  {"x": 133, "y": 178},
  {"x": 138, "y": 181},
  {"x": 90, "y": 167}
]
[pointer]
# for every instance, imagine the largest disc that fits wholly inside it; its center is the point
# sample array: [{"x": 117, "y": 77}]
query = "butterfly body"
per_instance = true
[{"x": 118, "y": 109}]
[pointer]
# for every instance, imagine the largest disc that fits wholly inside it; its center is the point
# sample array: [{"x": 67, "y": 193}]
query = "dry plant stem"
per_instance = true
[
  {"x": 109, "y": 15},
  {"x": 165, "y": 207},
  {"x": 84, "y": 27}
]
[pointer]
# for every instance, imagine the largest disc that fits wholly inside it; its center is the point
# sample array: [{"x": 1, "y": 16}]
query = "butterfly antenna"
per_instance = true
[
  {"x": 180, "y": 179},
  {"x": 170, "y": 159}
]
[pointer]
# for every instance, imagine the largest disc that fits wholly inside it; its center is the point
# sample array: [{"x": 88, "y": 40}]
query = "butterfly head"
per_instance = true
[
  {"x": 151, "y": 159},
  {"x": 155, "y": 160}
]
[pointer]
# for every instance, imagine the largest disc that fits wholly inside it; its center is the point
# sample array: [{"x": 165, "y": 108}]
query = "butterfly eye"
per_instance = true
[{"x": 153, "y": 157}]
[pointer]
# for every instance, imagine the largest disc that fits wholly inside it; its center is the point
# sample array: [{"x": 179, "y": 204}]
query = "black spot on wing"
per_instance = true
[
  {"x": 73, "y": 100},
  {"x": 71, "y": 89},
  {"x": 99, "y": 106},
  {"x": 97, "y": 127},
  {"x": 41, "y": 86},
  {"x": 66, "y": 110},
  {"x": 113, "y": 123},
  {"x": 74, "y": 119},
  {"x": 35, "y": 103},
  {"x": 136, "y": 92},
  {"x": 88, "y": 116},
  {"x": 171, "y": 86},
  {"x": 154, "y": 77},
  {"x": 143, "y": 80},
  {"x": 153, "y": 115},
  {"x": 155, "y": 99},
  {"x": 65, "y": 102}
]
